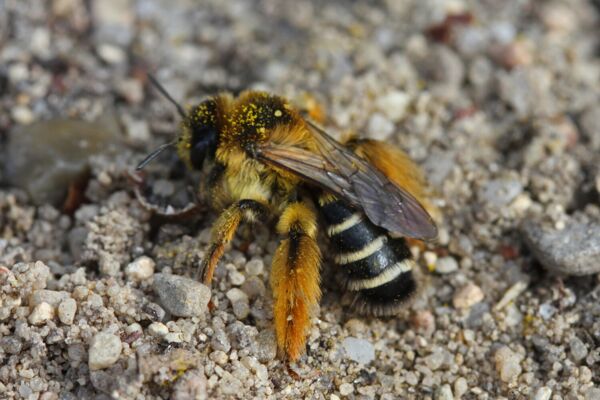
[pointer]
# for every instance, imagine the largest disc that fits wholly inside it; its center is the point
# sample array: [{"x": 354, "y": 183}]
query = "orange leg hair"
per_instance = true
[
  {"x": 295, "y": 278},
  {"x": 224, "y": 229}
]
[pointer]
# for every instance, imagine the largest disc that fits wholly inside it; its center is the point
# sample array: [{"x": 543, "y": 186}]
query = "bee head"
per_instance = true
[{"x": 200, "y": 128}]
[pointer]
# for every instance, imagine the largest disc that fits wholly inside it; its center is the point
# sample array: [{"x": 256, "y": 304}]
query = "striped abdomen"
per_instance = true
[{"x": 374, "y": 265}]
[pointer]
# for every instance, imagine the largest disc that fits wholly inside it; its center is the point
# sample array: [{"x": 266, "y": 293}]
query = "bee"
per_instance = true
[{"x": 263, "y": 158}]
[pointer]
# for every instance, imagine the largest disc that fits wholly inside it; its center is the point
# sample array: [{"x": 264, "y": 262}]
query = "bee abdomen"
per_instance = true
[{"x": 377, "y": 267}]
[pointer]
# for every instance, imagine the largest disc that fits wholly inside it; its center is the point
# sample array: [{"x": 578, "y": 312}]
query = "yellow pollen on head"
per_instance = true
[{"x": 278, "y": 113}]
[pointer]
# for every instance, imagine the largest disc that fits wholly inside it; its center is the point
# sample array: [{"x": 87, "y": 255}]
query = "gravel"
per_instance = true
[
  {"x": 498, "y": 101},
  {"x": 182, "y": 297},
  {"x": 573, "y": 250},
  {"x": 358, "y": 350},
  {"x": 104, "y": 350}
]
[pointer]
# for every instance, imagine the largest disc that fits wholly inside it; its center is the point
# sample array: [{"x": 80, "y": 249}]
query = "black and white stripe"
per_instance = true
[{"x": 376, "y": 266}]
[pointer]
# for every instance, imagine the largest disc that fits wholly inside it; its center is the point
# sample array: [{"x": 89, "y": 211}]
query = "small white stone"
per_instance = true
[
  {"x": 358, "y": 350},
  {"x": 132, "y": 328},
  {"x": 236, "y": 278},
  {"x": 444, "y": 393},
  {"x": 137, "y": 129},
  {"x": 460, "y": 387},
  {"x": 18, "y": 72},
  {"x": 543, "y": 393},
  {"x": 393, "y": 105},
  {"x": 110, "y": 53},
  {"x": 255, "y": 267},
  {"x": 66, "y": 311},
  {"x": 140, "y": 269},
  {"x": 346, "y": 389},
  {"x": 446, "y": 265},
  {"x": 218, "y": 356},
  {"x": 234, "y": 295},
  {"x": 39, "y": 43},
  {"x": 158, "y": 329},
  {"x": 511, "y": 294},
  {"x": 41, "y": 313},
  {"x": 105, "y": 350},
  {"x": 173, "y": 337},
  {"x": 379, "y": 127},
  {"x": 508, "y": 364},
  {"x": 239, "y": 302},
  {"x": 467, "y": 296},
  {"x": 22, "y": 115},
  {"x": 51, "y": 297}
]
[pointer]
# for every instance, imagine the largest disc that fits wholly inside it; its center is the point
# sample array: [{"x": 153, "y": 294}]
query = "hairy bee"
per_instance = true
[{"x": 265, "y": 159}]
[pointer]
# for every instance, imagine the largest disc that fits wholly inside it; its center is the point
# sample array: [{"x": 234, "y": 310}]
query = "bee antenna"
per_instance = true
[
  {"x": 154, "y": 154},
  {"x": 164, "y": 92}
]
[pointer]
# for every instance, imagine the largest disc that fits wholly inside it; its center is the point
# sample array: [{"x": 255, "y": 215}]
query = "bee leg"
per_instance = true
[
  {"x": 295, "y": 278},
  {"x": 223, "y": 231}
]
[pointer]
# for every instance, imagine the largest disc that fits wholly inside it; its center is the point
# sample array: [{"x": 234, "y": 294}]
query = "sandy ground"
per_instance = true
[{"x": 498, "y": 101}]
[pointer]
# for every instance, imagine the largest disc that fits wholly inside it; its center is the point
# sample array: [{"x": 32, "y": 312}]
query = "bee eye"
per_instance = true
[{"x": 204, "y": 141}]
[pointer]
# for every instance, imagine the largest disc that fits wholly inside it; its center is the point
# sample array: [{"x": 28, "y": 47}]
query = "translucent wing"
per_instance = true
[{"x": 337, "y": 169}]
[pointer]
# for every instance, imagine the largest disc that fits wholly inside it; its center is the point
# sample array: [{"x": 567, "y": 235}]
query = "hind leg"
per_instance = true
[{"x": 295, "y": 278}]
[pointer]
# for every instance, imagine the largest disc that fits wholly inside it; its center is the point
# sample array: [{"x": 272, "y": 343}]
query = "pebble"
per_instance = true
[
  {"x": 543, "y": 393},
  {"x": 592, "y": 394},
  {"x": 393, "y": 105},
  {"x": 31, "y": 155},
  {"x": 11, "y": 344},
  {"x": 444, "y": 392},
  {"x": 22, "y": 115},
  {"x": 346, "y": 389},
  {"x": 436, "y": 359},
  {"x": 158, "y": 329},
  {"x": 220, "y": 341},
  {"x": 500, "y": 192},
  {"x": 423, "y": 322},
  {"x": 51, "y": 297},
  {"x": 66, "y": 311},
  {"x": 254, "y": 287},
  {"x": 460, "y": 387},
  {"x": 239, "y": 302},
  {"x": 265, "y": 346},
  {"x": 511, "y": 294},
  {"x": 446, "y": 265},
  {"x": 192, "y": 385},
  {"x": 140, "y": 269},
  {"x": 574, "y": 250},
  {"x": 111, "y": 54},
  {"x": 467, "y": 296},
  {"x": 358, "y": 350},
  {"x": 104, "y": 351},
  {"x": 236, "y": 278},
  {"x": 379, "y": 127},
  {"x": 173, "y": 337},
  {"x": 182, "y": 297},
  {"x": 255, "y": 267},
  {"x": 579, "y": 350},
  {"x": 230, "y": 385},
  {"x": 547, "y": 310},
  {"x": 41, "y": 313},
  {"x": 590, "y": 126},
  {"x": 137, "y": 130},
  {"x": 507, "y": 364}
]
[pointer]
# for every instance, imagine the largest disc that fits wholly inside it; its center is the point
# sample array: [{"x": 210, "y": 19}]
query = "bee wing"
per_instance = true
[{"x": 342, "y": 172}]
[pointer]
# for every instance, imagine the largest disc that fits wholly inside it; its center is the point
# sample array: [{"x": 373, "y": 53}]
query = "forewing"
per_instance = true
[{"x": 342, "y": 172}]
